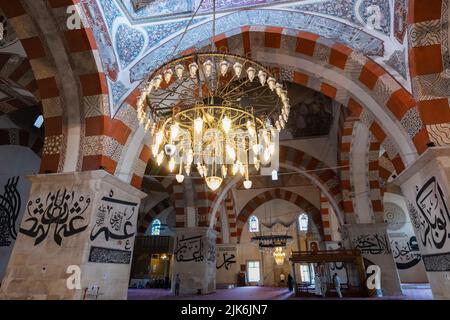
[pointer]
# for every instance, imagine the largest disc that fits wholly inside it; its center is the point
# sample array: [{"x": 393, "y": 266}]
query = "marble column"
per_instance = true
[
  {"x": 76, "y": 238},
  {"x": 426, "y": 187},
  {"x": 373, "y": 242},
  {"x": 195, "y": 260}
]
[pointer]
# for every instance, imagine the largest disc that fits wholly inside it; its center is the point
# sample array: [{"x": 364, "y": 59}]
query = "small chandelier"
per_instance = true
[
  {"x": 219, "y": 113},
  {"x": 279, "y": 256}
]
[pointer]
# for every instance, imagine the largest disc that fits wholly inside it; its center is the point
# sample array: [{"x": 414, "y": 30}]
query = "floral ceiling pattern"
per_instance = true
[{"x": 137, "y": 36}]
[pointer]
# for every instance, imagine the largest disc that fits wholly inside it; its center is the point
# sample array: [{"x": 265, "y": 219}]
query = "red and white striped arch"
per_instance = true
[{"x": 282, "y": 194}]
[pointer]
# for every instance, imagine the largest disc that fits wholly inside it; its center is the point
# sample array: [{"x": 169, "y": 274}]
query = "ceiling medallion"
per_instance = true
[{"x": 220, "y": 113}]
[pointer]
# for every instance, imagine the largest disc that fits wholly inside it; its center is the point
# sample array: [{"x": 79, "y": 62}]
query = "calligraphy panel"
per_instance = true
[
  {"x": 113, "y": 231},
  {"x": 226, "y": 264}
]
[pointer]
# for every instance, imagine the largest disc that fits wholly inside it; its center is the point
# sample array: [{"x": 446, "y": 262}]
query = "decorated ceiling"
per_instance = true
[{"x": 137, "y": 36}]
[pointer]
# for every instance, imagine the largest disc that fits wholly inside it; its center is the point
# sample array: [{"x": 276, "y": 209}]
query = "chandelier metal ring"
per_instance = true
[{"x": 222, "y": 106}]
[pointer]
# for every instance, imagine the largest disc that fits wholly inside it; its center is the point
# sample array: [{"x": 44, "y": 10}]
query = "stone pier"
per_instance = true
[
  {"x": 425, "y": 185},
  {"x": 195, "y": 260},
  {"x": 76, "y": 238}
]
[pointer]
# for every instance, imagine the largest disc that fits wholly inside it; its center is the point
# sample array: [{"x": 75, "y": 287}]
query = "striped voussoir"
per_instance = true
[
  {"x": 376, "y": 193},
  {"x": 429, "y": 65},
  {"x": 326, "y": 222},
  {"x": 153, "y": 213},
  {"x": 386, "y": 169},
  {"x": 373, "y": 169},
  {"x": 45, "y": 74},
  {"x": 218, "y": 229},
  {"x": 281, "y": 194},
  {"x": 363, "y": 72},
  {"x": 328, "y": 178},
  {"x": 16, "y": 71},
  {"x": 345, "y": 154},
  {"x": 231, "y": 216},
  {"x": 20, "y": 137},
  {"x": 102, "y": 137}
]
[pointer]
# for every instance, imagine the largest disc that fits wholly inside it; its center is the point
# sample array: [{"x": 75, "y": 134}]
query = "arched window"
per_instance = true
[
  {"x": 253, "y": 224},
  {"x": 303, "y": 222},
  {"x": 156, "y": 227}
]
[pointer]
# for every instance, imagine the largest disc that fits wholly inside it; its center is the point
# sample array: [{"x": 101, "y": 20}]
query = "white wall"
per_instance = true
[{"x": 15, "y": 161}]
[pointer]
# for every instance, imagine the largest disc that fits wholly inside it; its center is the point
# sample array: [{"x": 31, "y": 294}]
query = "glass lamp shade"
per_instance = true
[
  {"x": 180, "y": 178},
  {"x": 213, "y": 182},
  {"x": 247, "y": 184}
]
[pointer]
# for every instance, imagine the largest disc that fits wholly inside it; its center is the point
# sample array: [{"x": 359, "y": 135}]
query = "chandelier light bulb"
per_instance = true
[
  {"x": 224, "y": 171},
  {"x": 237, "y": 69},
  {"x": 231, "y": 153},
  {"x": 159, "y": 158},
  {"x": 257, "y": 164},
  {"x": 171, "y": 164},
  {"x": 226, "y": 124},
  {"x": 207, "y": 68},
  {"x": 148, "y": 89},
  {"x": 174, "y": 130},
  {"x": 251, "y": 73},
  {"x": 200, "y": 170},
  {"x": 257, "y": 148},
  {"x": 155, "y": 149},
  {"x": 179, "y": 69},
  {"x": 235, "y": 168},
  {"x": 278, "y": 89},
  {"x": 271, "y": 83},
  {"x": 224, "y": 68},
  {"x": 193, "y": 67},
  {"x": 169, "y": 149},
  {"x": 159, "y": 138},
  {"x": 262, "y": 77},
  {"x": 277, "y": 125},
  {"x": 190, "y": 157},
  {"x": 187, "y": 168},
  {"x": 157, "y": 81},
  {"x": 241, "y": 169},
  {"x": 198, "y": 124},
  {"x": 180, "y": 178},
  {"x": 274, "y": 175},
  {"x": 214, "y": 182},
  {"x": 168, "y": 75},
  {"x": 247, "y": 184}
]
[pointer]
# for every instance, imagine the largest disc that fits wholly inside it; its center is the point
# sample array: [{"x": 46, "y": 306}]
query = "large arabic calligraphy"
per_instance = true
[
  {"x": 227, "y": 261},
  {"x": 10, "y": 204},
  {"x": 372, "y": 243},
  {"x": 189, "y": 249},
  {"x": 434, "y": 218},
  {"x": 114, "y": 219},
  {"x": 406, "y": 252},
  {"x": 62, "y": 210}
]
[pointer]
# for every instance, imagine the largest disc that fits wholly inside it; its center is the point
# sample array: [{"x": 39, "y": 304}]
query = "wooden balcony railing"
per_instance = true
[{"x": 153, "y": 244}]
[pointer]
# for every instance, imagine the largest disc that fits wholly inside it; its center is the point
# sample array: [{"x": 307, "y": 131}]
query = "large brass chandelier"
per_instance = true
[{"x": 217, "y": 112}]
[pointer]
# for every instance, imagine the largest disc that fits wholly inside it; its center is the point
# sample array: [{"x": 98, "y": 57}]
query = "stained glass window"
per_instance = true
[
  {"x": 303, "y": 222},
  {"x": 253, "y": 224},
  {"x": 156, "y": 227}
]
